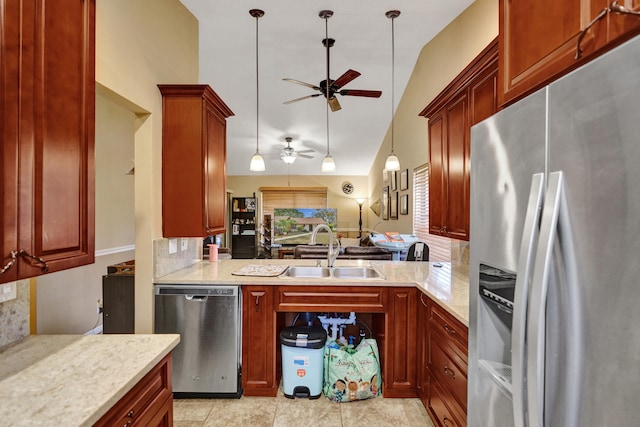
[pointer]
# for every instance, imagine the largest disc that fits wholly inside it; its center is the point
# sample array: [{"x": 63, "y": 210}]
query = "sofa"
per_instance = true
[{"x": 348, "y": 252}]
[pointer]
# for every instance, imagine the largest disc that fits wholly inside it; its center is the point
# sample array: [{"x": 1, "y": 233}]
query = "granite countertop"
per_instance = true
[
  {"x": 73, "y": 380},
  {"x": 445, "y": 283}
]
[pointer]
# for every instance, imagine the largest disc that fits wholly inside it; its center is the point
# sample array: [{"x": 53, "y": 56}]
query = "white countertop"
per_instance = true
[
  {"x": 72, "y": 380},
  {"x": 448, "y": 284}
]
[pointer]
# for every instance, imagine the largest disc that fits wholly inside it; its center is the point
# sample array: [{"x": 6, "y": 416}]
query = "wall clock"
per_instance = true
[{"x": 347, "y": 188}]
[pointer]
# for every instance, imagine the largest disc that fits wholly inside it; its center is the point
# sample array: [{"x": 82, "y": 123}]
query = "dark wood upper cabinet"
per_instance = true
[
  {"x": 468, "y": 99},
  {"x": 194, "y": 177},
  {"x": 538, "y": 41},
  {"x": 47, "y": 83}
]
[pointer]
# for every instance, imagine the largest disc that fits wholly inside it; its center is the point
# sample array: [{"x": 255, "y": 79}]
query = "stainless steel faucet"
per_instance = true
[{"x": 332, "y": 254}]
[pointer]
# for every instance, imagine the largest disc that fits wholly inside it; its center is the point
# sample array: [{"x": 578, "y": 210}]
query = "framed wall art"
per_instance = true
[
  {"x": 385, "y": 203},
  {"x": 404, "y": 179},
  {"x": 393, "y": 175},
  {"x": 393, "y": 205},
  {"x": 404, "y": 204}
]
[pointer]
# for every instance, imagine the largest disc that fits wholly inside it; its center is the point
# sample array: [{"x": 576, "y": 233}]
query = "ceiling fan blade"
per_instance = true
[
  {"x": 358, "y": 92},
  {"x": 334, "y": 104},
  {"x": 301, "y": 98},
  {"x": 303, "y": 84},
  {"x": 306, "y": 156},
  {"x": 345, "y": 78},
  {"x": 307, "y": 151}
]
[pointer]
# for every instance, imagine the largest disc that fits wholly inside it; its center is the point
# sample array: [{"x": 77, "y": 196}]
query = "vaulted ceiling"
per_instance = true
[{"x": 290, "y": 46}]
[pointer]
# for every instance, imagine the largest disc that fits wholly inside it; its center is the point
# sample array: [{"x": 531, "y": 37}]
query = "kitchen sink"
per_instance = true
[
  {"x": 309, "y": 272},
  {"x": 355, "y": 273},
  {"x": 334, "y": 272}
]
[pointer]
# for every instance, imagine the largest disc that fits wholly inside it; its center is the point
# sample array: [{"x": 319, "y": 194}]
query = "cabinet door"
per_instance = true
[
  {"x": 457, "y": 225},
  {"x": 437, "y": 173},
  {"x": 423, "y": 348},
  {"x": 401, "y": 353},
  {"x": 258, "y": 341},
  {"x": 538, "y": 41},
  {"x": 48, "y": 80},
  {"x": 216, "y": 173},
  {"x": 9, "y": 120}
]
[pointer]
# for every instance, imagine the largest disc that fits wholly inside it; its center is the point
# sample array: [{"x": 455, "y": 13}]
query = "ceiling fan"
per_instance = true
[
  {"x": 334, "y": 87},
  {"x": 289, "y": 155}
]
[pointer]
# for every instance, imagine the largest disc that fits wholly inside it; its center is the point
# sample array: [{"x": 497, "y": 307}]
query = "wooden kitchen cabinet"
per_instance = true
[
  {"x": 468, "y": 99},
  {"x": 194, "y": 179},
  {"x": 443, "y": 367},
  {"x": 47, "y": 87},
  {"x": 538, "y": 42},
  {"x": 148, "y": 403},
  {"x": 259, "y": 341},
  {"x": 400, "y": 367}
]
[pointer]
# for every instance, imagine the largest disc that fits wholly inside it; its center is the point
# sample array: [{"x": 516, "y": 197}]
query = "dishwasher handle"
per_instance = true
[{"x": 196, "y": 298}]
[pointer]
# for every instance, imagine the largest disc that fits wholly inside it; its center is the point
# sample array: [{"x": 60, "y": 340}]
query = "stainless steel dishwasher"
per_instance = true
[{"x": 207, "y": 362}]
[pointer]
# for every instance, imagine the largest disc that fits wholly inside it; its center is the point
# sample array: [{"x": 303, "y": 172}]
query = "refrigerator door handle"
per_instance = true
[
  {"x": 527, "y": 249},
  {"x": 536, "y": 322}
]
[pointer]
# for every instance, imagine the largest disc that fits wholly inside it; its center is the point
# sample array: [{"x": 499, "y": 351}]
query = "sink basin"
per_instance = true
[
  {"x": 335, "y": 272},
  {"x": 309, "y": 272},
  {"x": 356, "y": 273}
]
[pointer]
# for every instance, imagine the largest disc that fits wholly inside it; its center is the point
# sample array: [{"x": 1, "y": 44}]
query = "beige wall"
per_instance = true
[
  {"x": 139, "y": 44},
  {"x": 348, "y": 211},
  {"x": 440, "y": 61}
]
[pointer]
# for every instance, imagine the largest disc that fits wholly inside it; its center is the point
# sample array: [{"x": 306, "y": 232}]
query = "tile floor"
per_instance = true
[{"x": 280, "y": 411}]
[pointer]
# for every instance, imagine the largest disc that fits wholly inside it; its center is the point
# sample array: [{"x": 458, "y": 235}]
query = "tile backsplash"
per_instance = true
[
  {"x": 14, "y": 315},
  {"x": 172, "y": 254}
]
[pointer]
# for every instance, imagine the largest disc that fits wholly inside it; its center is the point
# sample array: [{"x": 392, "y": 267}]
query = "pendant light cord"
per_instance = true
[
  {"x": 257, "y": 90},
  {"x": 327, "y": 84},
  {"x": 393, "y": 79}
]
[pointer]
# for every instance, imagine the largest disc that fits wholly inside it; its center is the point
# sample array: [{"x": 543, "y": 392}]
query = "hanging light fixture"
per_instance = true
[
  {"x": 392, "y": 163},
  {"x": 257, "y": 162},
  {"x": 328, "y": 165}
]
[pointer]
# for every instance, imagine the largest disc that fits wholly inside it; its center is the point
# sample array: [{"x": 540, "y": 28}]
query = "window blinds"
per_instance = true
[
  {"x": 439, "y": 247},
  {"x": 292, "y": 197}
]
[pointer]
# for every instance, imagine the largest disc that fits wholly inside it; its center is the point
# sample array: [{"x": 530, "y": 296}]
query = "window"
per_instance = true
[
  {"x": 291, "y": 197},
  {"x": 439, "y": 247}
]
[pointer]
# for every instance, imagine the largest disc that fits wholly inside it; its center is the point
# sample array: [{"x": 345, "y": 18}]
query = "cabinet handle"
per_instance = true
[
  {"x": 601, "y": 15},
  {"x": 14, "y": 257},
  {"x": 449, "y": 372},
  {"x": 445, "y": 421},
  {"x": 43, "y": 263},
  {"x": 130, "y": 414},
  {"x": 258, "y": 295},
  {"x": 449, "y": 329},
  {"x": 422, "y": 300}
]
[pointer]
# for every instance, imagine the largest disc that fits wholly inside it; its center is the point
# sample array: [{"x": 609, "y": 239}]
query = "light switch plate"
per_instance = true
[
  {"x": 8, "y": 292},
  {"x": 173, "y": 246},
  {"x": 184, "y": 244}
]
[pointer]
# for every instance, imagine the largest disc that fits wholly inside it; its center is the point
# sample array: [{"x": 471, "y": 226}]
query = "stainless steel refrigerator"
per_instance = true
[{"x": 554, "y": 315}]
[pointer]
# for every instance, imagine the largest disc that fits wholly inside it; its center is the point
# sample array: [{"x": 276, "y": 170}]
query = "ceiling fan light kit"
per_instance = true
[
  {"x": 392, "y": 163},
  {"x": 257, "y": 162}
]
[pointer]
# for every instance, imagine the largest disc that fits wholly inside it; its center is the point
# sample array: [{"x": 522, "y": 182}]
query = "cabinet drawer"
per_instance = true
[
  {"x": 144, "y": 400},
  {"x": 448, "y": 370},
  {"x": 331, "y": 298},
  {"x": 449, "y": 327},
  {"x": 442, "y": 409}
]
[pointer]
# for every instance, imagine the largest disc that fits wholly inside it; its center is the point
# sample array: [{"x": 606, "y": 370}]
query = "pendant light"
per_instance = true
[
  {"x": 328, "y": 165},
  {"x": 257, "y": 162},
  {"x": 392, "y": 163}
]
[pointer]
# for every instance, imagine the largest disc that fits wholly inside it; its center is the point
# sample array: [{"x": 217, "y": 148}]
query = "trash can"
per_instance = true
[{"x": 302, "y": 360}]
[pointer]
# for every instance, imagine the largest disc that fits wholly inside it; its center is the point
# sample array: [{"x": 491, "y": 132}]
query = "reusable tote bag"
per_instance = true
[{"x": 352, "y": 373}]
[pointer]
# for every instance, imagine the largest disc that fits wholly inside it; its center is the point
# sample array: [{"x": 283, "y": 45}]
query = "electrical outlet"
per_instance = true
[
  {"x": 99, "y": 306},
  {"x": 184, "y": 243},
  {"x": 8, "y": 291},
  {"x": 173, "y": 246}
]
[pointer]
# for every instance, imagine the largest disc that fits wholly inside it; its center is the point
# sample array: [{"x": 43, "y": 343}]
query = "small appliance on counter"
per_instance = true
[{"x": 302, "y": 360}]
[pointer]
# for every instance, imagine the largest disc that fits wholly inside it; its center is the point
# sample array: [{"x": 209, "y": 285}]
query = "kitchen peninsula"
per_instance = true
[
  {"x": 83, "y": 380},
  {"x": 414, "y": 309}
]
